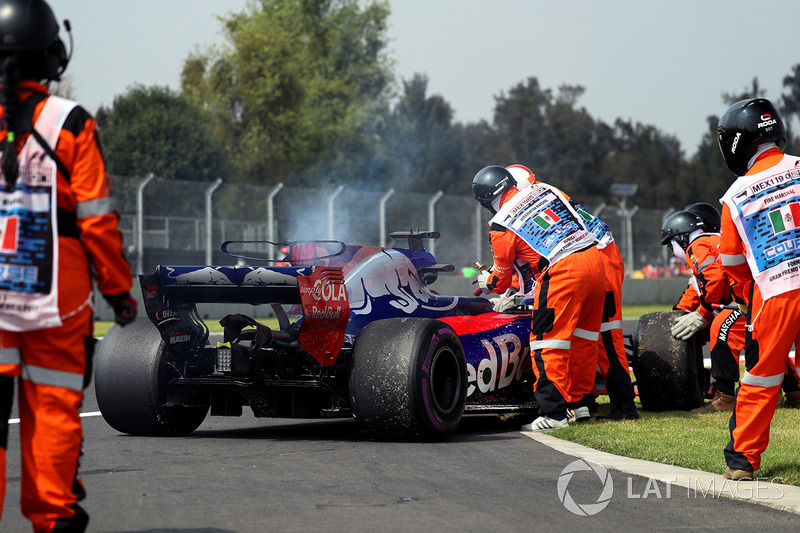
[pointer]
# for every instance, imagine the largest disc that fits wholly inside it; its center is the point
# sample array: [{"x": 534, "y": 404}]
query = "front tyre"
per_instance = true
[{"x": 408, "y": 379}]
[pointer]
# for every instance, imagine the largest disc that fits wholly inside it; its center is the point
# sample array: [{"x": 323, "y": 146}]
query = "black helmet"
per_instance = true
[
  {"x": 708, "y": 214},
  {"x": 679, "y": 226},
  {"x": 744, "y": 126},
  {"x": 29, "y": 31},
  {"x": 489, "y": 183}
]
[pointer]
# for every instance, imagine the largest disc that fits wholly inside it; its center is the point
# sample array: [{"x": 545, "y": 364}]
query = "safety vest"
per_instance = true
[
  {"x": 29, "y": 231},
  {"x": 598, "y": 228},
  {"x": 765, "y": 207},
  {"x": 542, "y": 217}
]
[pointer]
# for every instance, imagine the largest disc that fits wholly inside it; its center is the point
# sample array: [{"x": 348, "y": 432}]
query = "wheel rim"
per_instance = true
[{"x": 445, "y": 380}]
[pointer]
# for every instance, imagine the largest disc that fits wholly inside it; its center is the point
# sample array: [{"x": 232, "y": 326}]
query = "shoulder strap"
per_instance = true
[
  {"x": 44, "y": 144},
  {"x": 27, "y": 109}
]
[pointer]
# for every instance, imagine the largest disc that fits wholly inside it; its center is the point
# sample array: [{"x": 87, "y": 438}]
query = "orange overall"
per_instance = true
[
  {"x": 775, "y": 324},
  {"x": 611, "y": 356},
  {"x": 54, "y": 365},
  {"x": 568, "y": 297},
  {"x": 713, "y": 287}
]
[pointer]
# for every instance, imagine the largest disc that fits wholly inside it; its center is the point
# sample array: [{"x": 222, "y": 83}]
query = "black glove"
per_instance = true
[{"x": 124, "y": 306}]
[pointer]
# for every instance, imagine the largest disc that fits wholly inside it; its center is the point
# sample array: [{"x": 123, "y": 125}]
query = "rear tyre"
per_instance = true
[
  {"x": 408, "y": 379},
  {"x": 131, "y": 380},
  {"x": 669, "y": 372}
]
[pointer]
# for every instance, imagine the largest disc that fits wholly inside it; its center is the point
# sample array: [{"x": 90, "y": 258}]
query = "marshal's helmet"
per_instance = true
[
  {"x": 29, "y": 34},
  {"x": 522, "y": 174},
  {"x": 708, "y": 214},
  {"x": 680, "y": 226},
  {"x": 746, "y": 125},
  {"x": 491, "y": 182}
]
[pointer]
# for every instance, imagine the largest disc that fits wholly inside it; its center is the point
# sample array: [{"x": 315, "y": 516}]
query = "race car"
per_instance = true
[{"x": 361, "y": 334}]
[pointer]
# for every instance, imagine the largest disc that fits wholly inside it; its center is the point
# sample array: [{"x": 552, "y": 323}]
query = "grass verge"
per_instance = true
[
  {"x": 635, "y": 311},
  {"x": 690, "y": 440}
]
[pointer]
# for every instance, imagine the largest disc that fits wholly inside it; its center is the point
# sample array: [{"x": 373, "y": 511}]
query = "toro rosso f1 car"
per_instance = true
[{"x": 369, "y": 339}]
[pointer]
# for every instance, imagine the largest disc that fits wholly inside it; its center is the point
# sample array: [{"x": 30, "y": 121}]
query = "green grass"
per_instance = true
[
  {"x": 635, "y": 311},
  {"x": 690, "y": 440}
]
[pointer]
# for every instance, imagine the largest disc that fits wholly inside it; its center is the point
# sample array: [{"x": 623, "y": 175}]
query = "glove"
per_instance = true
[
  {"x": 742, "y": 308},
  {"x": 687, "y": 325},
  {"x": 483, "y": 279},
  {"x": 124, "y": 306},
  {"x": 503, "y": 303}
]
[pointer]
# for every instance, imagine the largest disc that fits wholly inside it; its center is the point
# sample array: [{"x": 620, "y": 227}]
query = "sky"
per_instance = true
[{"x": 660, "y": 63}]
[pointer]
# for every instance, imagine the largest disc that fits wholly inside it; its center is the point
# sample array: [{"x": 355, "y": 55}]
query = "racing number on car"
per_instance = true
[{"x": 500, "y": 368}]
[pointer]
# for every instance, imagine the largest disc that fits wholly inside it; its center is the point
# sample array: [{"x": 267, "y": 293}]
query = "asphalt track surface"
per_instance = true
[{"x": 253, "y": 475}]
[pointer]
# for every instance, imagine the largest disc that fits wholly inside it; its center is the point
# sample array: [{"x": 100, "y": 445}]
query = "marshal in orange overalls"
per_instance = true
[{"x": 53, "y": 364}]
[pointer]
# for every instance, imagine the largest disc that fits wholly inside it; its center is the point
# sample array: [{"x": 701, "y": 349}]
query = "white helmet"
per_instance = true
[{"x": 522, "y": 174}]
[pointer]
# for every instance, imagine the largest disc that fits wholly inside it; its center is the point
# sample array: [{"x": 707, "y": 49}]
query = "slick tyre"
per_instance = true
[
  {"x": 669, "y": 372},
  {"x": 408, "y": 379},
  {"x": 131, "y": 380}
]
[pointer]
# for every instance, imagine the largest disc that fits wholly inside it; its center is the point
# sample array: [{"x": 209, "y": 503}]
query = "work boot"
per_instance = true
[
  {"x": 626, "y": 411},
  {"x": 737, "y": 475},
  {"x": 791, "y": 400},
  {"x": 721, "y": 402},
  {"x": 711, "y": 391}
]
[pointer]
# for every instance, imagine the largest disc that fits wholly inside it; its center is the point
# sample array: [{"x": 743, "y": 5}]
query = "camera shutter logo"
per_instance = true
[{"x": 586, "y": 509}]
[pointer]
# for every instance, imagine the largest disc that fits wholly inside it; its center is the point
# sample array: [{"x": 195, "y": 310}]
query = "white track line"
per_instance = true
[{"x": 82, "y": 415}]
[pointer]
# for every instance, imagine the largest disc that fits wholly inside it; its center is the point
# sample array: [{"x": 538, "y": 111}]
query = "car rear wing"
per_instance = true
[
  {"x": 172, "y": 292},
  {"x": 215, "y": 284}
]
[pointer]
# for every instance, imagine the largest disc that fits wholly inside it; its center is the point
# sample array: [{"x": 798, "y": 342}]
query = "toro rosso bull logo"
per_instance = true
[
  {"x": 204, "y": 275},
  {"x": 368, "y": 286},
  {"x": 221, "y": 276}
]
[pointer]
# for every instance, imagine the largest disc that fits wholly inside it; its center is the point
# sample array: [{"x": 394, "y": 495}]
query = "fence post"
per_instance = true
[
  {"x": 382, "y": 215},
  {"x": 140, "y": 222},
  {"x": 432, "y": 218},
  {"x": 599, "y": 209},
  {"x": 209, "y": 218},
  {"x": 629, "y": 235},
  {"x": 332, "y": 198},
  {"x": 624, "y": 190},
  {"x": 271, "y": 218}
]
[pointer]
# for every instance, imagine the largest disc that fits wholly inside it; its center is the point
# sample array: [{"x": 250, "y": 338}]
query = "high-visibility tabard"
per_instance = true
[
  {"x": 765, "y": 207},
  {"x": 542, "y": 217},
  {"x": 29, "y": 233}
]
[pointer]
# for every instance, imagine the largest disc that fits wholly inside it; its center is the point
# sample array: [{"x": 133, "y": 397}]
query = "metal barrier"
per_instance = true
[{"x": 184, "y": 222}]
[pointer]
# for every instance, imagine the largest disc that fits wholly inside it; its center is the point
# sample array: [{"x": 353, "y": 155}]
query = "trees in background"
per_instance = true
[
  {"x": 153, "y": 129},
  {"x": 299, "y": 90},
  {"x": 304, "y": 93}
]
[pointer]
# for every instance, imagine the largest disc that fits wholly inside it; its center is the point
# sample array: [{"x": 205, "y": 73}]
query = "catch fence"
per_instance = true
[{"x": 185, "y": 222}]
